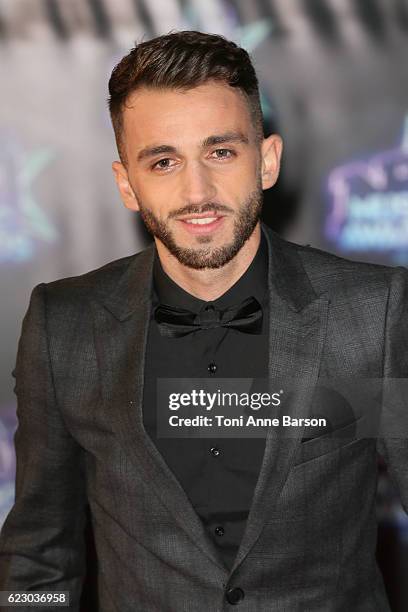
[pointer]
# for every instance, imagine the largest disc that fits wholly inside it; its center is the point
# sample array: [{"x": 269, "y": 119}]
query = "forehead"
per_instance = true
[{"x": 170, "y": 114}]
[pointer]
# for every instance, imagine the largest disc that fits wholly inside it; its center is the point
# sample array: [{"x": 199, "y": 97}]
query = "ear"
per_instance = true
[
  {"x": 271, "y": 149},
  {"x": 127, "y": 194}
]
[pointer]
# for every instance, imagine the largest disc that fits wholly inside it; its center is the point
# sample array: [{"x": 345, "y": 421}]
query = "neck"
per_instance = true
[{"x": 210, "y": 284}]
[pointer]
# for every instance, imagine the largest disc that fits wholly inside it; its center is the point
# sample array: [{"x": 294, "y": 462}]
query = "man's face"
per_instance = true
[{"x": 195, "y": 170}]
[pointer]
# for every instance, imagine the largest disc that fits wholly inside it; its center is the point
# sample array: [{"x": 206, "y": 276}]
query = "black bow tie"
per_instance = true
[{"x": 174, "y": 322}]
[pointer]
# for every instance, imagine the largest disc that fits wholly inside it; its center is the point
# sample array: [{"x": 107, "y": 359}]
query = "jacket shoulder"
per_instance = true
[
  {"x": 333, "y": 268},
  {"x": 337, "y": 276},
  {"x": 99, "y": 281}
]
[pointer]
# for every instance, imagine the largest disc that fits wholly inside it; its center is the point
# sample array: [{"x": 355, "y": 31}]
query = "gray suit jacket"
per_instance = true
[{"x": 311, "y": 533}]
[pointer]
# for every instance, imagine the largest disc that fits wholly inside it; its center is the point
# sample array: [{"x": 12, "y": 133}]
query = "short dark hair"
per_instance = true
[{"x": 182, "y": 60}]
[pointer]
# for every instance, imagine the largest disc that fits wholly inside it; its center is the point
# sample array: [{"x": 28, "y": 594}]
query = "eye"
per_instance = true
[
  {"x": 224, "y": 153},
  {"x": 162, "y": 164}
]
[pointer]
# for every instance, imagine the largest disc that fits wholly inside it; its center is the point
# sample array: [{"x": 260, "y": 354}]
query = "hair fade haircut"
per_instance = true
[{"x": 182, "y": 60}]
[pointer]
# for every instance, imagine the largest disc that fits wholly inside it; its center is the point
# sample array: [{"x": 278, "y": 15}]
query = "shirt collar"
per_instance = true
[{"x": 252, "y": 283}]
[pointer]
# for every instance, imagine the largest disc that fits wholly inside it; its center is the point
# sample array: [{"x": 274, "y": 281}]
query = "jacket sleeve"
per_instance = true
[
  {"x": 394, "y": 448},
  {"x": 42, "y": 544}
]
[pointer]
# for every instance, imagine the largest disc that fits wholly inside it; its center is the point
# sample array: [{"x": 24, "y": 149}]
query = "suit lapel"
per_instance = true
[
  {"x": 297, "y": 328},
  {"x": 121, "y": 326},
  {"x": 296, "y": 334}
]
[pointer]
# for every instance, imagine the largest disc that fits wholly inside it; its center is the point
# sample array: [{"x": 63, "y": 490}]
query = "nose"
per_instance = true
[{"x": 197, "y": 184}]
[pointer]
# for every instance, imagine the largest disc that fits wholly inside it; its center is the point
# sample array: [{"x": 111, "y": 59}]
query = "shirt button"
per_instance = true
[
  {"x": 215, "y": 451},
  {"x": 212, "y": 367},
  {"x": 234, "y": 596},
  {"x": 219, "y": 531}
]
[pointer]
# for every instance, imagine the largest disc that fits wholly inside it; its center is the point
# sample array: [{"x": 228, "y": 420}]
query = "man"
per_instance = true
[{"x": 200, "y": 524}]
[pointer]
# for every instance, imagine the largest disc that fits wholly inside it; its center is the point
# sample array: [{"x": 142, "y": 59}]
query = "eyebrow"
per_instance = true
[{"x": 210, "y": 141}]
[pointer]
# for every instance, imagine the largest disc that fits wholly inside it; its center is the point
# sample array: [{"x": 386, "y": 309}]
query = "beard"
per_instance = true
[{"x": 245, "y": 222}]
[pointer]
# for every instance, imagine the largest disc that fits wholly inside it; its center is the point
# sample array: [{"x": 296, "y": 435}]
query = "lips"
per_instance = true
[
  {"x": 201, "y": 224},
  {"x": 202, "y": 216},
  {"x": 200, "y": 220}
]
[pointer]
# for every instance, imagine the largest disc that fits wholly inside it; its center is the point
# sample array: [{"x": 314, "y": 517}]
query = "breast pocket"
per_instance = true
[{"x": 310, "y": 448}]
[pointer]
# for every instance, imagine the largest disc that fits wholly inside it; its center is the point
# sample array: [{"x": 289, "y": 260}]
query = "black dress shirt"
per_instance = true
[{"x": 218, "y": 475}]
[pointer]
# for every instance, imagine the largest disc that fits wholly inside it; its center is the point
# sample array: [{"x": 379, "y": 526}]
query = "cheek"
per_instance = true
[
  {"x": 236, "y": 185},
  {"x": 153, "y": 195},
  {"x": 248, "y": 173}
]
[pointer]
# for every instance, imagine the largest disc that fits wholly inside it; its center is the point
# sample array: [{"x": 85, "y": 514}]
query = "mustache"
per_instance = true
[{"x": 195, "y": 209}]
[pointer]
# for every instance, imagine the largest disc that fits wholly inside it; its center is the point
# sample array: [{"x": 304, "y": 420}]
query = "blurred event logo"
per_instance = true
[
  {"x": 8, "y": 423},
  {"x": 22, "y": 222},
  {"x": 369, "y": 204}
]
